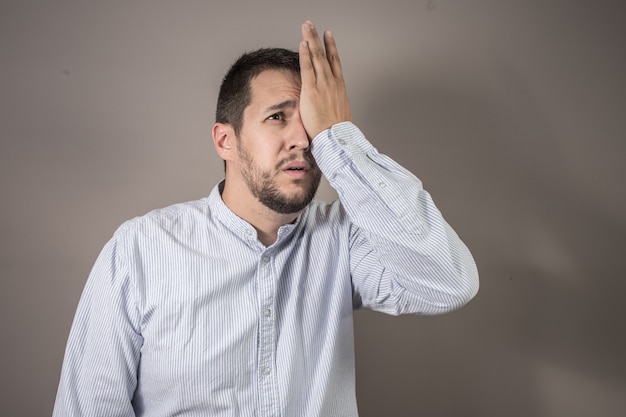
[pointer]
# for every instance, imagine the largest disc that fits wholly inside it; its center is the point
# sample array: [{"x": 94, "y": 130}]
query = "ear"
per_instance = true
[{"x": 224, "y": 141}]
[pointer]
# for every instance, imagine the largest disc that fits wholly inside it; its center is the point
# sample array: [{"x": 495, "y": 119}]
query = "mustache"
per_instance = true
[{"x": 306, "y": 156}]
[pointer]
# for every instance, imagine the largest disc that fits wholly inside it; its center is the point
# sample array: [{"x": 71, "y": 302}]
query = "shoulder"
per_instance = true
[{"x": 171, "y": 219}]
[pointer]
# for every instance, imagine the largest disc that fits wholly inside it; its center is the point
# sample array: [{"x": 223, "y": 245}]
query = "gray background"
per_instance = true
[{"x": 511, "y": 112}]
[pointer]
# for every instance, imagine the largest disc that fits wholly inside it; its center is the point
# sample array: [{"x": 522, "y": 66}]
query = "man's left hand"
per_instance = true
[{"x": 323, "y": 98}]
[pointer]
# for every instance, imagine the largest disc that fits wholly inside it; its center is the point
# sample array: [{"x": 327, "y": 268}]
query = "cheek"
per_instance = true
[
  {"x": 260, "y": 160},
  {"x": 263, "y": 150},
  {"x": 266, "y": 156}
]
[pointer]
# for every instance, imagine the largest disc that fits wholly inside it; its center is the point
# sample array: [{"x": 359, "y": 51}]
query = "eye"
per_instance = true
[{"x": 277, "y": 116}]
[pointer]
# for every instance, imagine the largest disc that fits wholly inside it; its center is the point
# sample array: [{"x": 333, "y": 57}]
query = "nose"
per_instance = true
[{"x": 297, "y": 137}]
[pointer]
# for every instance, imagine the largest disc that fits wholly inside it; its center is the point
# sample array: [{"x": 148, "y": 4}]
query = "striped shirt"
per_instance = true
[{"x": 187, "y": 313}]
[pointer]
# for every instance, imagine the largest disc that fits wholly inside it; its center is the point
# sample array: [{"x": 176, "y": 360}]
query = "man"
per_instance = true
[{"x": 240, "y": 304}]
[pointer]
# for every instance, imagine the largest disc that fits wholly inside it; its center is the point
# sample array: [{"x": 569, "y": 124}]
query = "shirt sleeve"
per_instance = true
[
  {"x": 404, "y": 257},
  {"x": 99, "y": 373}
]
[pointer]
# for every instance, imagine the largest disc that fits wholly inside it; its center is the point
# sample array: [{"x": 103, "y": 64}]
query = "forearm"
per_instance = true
[{"x": 400, "y": 227}]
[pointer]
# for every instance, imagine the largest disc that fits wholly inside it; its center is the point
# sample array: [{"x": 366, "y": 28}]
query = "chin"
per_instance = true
[{"x": 289, "y": 203}]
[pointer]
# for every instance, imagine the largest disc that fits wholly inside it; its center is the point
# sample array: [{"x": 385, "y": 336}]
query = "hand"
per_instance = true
[{"x": 323, "y": 98}]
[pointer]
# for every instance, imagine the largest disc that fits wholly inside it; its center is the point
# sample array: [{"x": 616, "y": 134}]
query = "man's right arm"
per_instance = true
[{"x": 99, "y": 373}]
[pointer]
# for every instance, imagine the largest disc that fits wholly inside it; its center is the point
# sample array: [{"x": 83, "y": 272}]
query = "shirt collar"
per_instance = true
[{"x": 242, "y": 228}]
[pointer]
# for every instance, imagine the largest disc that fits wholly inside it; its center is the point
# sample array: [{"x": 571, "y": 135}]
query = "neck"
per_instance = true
[{"x": 266, "y": 221}]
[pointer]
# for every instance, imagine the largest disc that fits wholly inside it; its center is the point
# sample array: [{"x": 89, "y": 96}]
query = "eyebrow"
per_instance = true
[{"x": 280, "y": 106}]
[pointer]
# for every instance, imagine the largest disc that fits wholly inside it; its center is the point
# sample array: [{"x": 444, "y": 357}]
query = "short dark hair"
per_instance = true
[{"x": 235, "y": 93}]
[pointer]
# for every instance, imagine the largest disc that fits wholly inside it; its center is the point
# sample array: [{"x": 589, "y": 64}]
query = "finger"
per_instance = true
[
  {"x": 316, "y": 49},
  {"x": 307, "y": 73},
  {"x": 332, "y": 55},
  {"x": 309, "y": 34}
]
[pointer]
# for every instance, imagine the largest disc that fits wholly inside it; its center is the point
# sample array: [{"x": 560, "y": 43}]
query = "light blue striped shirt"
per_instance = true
[{"x": 187, "y": 313}]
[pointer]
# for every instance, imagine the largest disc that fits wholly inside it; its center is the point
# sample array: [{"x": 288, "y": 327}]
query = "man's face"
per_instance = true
[{"x": 273, "y": 147}]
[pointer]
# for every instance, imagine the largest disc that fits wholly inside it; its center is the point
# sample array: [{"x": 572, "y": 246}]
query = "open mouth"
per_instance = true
[
  {"x": 296, "y": 166},
  {"x": 297, "y": 169}
]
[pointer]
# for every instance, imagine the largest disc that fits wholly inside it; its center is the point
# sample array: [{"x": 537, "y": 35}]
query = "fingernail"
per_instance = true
[
  {"x": 309, "y": 26},
  {"x": 329, "y": 33}
]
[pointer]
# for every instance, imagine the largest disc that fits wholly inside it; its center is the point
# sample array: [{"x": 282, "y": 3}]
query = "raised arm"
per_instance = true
[{"x": 405, "y": 258}]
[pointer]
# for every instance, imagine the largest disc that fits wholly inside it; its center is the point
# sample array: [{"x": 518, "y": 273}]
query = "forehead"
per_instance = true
[{"x": 273, "y": 86}]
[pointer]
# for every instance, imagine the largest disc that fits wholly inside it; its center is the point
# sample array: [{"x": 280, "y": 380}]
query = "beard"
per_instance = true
[{"x": 262, "y": 185}]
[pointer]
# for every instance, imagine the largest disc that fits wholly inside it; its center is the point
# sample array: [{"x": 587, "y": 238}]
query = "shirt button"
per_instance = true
[
  {"x": 382, "y": 184},
  {"x": 341, "y": 141},
  {"x": 267, "y": 312},
  {"x": 265, "y": 259},
  {"x": 266, "y": 370}
]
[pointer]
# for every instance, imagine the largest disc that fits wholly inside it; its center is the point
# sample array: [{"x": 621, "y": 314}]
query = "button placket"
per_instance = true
[{"x": 268, "y": 383}]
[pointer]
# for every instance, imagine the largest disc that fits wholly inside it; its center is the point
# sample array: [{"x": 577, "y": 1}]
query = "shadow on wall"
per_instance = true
[{"x": 543, "y": 337}]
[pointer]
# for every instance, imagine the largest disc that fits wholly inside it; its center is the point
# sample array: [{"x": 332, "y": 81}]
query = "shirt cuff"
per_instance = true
[{"x": 335, "y": 147}]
